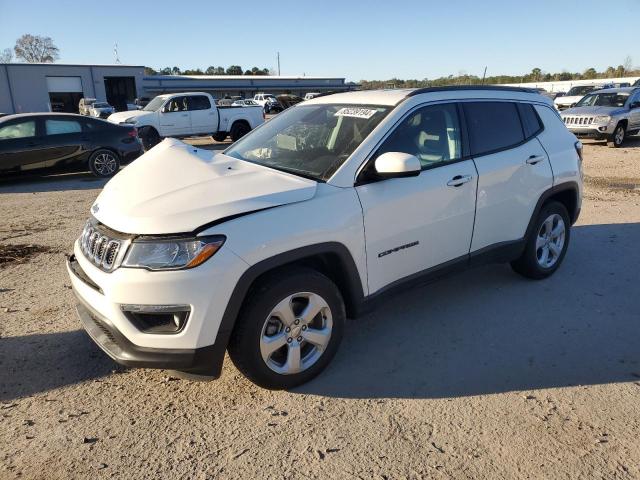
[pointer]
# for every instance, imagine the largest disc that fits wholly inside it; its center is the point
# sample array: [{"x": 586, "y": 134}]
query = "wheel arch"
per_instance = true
[
  {"x": 238, "y": 121},
  {"x": 333, "y": 259},
  {"x": 566, "y": 193}
]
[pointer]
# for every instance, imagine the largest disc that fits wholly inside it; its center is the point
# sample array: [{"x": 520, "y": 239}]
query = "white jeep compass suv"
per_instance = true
[{"x": 265, "y": 250}]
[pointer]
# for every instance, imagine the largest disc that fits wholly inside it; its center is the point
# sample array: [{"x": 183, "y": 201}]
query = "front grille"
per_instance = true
[
  {"x": 578, "y": 120},
  {"x": 100, "y": 248}
]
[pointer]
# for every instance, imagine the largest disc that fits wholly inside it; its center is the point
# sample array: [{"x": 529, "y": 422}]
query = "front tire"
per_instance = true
[
  {"x": 547, "y": 243},
  {"x": 149, "y": 136},
  {"x": 104, "y": 163},
  {"x": 289, "y": 330},
  {"x": 617, "y": 139}
]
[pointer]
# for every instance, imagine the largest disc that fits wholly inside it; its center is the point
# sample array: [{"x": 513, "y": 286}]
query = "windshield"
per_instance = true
[
  {"x": 154, "y": 104},
  {"x": 613, "y": 99},
  {"x": 575, "y": 91},
  {"x": 310, "y": 140}
]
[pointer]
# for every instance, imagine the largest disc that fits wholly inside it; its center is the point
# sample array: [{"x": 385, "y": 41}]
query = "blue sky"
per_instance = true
[{"x": 352, "y": 39}]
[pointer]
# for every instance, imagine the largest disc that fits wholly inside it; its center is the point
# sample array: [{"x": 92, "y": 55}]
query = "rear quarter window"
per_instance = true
[
  {"x": 492, "y": 126},
  {"x": 531, "y": 123}
]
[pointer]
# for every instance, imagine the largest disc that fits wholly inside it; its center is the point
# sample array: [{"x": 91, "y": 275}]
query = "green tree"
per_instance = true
[
  {"x": 175, "y": 71},
  {"x": 590, "y": 73},
  {"x": 234, "y": 70},
  {"x": 149, "y": 71}
]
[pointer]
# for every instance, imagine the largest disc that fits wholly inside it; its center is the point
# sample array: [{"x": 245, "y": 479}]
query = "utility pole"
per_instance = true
[
  {"x": 115, "y": 52},
  {"x": 484, "y": 75},
  {"x": 278, "y": 63}
]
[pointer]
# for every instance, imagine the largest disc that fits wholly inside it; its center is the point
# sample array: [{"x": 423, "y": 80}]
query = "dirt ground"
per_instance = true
[{"x": 481, "y": 375}]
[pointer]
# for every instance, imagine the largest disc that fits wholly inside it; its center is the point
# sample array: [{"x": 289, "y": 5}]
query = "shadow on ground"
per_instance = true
[
  {"x": 489, "y": 330},
  {"x": 37, "y": 363},
  {"x": 51, "y": 183}
]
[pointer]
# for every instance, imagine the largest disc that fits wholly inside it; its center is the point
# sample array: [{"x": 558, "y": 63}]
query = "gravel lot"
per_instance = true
[{"x": 481, "y": 375}]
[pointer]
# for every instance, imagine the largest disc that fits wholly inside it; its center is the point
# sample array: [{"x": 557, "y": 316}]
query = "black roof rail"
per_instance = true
[{"x": 498, "y": 88}]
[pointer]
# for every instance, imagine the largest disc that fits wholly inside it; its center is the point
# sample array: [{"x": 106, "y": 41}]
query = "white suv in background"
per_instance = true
[{"x": 266, "y": 249}]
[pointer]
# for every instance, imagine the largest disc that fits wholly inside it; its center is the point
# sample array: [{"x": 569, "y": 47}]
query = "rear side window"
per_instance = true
[
  {"x": 492, "y": 126},
  {"x": 530, "y": 121},
  {"x": 61, "y": 127},
  {"x": 199, "y": 103}
]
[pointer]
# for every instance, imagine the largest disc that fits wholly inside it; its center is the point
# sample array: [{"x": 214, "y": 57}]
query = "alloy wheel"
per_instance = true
[
  {"x": 550, "y": 241},
  {"x": 296, "y": 333},
  {"x": 105, "y": 163}
]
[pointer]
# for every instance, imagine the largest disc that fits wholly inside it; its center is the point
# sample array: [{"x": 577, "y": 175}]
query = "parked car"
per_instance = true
[
  {"x": 85, "y": 105},
  {"x": 573, "y": 96},
  {"x": 189, "y": 114},
  {"x": 289, "y": 100},
  {"x": 245, "y": 103},
  {"x": 610, "y": 115},
  {"x": 265, "y": 249},
  {"x": 31, "y": 142},
  {"x": 101, "y": 110},
  {"x": 268, "y": 102},
  {"x": 311, "y": 95}
]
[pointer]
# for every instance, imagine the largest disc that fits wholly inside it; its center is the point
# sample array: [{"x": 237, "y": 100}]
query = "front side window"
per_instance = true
[
  {"x": 612, "y": 99},
  {"x": 431, "y": 133},
  {"x": 492, "y": 126},
  {"x": 310, "y": 140},
  {"x": 61, "y": 127},
  {"x": 18, "y": 130},
  {"x": 177, "y": 104}
]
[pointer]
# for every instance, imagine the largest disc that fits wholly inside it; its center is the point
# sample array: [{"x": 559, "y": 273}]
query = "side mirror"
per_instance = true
[{"x": 397, "y": 165}]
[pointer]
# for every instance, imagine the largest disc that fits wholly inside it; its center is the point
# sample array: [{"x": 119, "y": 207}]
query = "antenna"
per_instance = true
[
  {"x": 115, "y": 52},
  {"x": 278, "y": 63}
]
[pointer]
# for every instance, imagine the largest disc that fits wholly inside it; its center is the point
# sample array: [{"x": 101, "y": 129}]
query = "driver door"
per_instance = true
[
  {"x": 175, "y": 118},
  {"x": 416, "y": 223}
]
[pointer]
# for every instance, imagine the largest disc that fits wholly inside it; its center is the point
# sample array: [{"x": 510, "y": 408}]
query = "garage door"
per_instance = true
[{"x": 64, "y": 84}]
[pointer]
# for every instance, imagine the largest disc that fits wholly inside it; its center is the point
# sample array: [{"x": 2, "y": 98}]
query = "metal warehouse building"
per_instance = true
[{"x": 40, "y": 87}]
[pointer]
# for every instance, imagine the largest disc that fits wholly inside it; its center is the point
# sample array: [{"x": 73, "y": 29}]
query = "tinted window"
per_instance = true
[
  {"x": 18, "y": 130},
  {"x": 492, "y": 126},
  {"x": 530, "y": 121},
  {"x": 199, "y": 103},
  {"x": 431, "y": 133},
  {"x": 60, "y": 127}
]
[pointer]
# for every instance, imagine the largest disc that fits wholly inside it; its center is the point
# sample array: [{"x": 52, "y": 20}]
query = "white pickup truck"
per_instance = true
[{"x": 189, "y": 114}]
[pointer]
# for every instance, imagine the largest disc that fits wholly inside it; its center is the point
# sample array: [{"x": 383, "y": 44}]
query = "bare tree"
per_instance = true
[
  {"x": 627, "y": 64},
  {"x": 6, "y": 56},
  {"x": 36, "y": 49}
]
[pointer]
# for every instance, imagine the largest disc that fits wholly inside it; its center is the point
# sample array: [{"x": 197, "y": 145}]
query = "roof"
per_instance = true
[
  {"x": 394, "y": 96},
  {"x": 237, "y": 77},
  {"x": 40, "y": 64},
  {"x": 618, "y": 90},
  {"x": 12, "y": 116}
]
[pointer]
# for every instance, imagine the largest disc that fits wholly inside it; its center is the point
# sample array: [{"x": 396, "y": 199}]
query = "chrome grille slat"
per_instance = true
[{"x": 99, "y": 248}]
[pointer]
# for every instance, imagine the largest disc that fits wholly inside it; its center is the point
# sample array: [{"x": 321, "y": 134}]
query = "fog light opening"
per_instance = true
[{"x": 157, "y": 319}]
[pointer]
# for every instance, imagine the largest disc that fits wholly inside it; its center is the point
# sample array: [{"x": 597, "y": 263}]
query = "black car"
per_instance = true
[{"x": 67, "y": 142}]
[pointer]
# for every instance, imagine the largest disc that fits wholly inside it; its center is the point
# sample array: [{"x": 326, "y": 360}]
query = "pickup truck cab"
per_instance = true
[
  {"x": 265, "y": 249},
  {"x": 268, "y": 102},
  {"x": 189, "y": 114}
]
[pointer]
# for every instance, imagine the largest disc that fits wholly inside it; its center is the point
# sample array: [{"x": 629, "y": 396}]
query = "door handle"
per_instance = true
[
  {"x": 459, "y": 180},
  {"x": 534, "y": 159}
]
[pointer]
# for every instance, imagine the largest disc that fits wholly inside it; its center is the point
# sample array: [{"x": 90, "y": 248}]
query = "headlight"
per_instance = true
[
  {"x": 132, "y": 120},
  {"x": 602, "y": 119},
  {"x": 172, "y": 254}
]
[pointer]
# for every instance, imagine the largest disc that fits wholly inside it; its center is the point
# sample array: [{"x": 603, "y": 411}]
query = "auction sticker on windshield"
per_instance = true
[{"x": 355, "y": 112}]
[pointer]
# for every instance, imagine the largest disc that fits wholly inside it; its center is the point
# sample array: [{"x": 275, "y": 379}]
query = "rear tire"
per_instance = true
[
  {"x": 289, "y": 329},
  {"x": 104, "y": 163},
  {"x": 220, "y": 136},
  {"x": 149, "y": 136},
  {"x": 617, "y": 139},
  {"x": 547, "y": 244},
  {"x": 239, "y": 130}
]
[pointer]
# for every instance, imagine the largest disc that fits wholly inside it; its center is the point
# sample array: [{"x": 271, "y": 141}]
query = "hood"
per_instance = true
[
  {"x": 176, "y": 188},
  {"x": 120, "y": 117},
  {"x": 591, "y": 111},
  {"x": 567, "y": 100}
]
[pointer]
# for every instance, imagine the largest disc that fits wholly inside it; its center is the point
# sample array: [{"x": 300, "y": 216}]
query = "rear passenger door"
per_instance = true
[
  {"x": 203, "y": 117},
  {"x": 513, "y": 168},
  {"x": 413, "y": 224}
]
